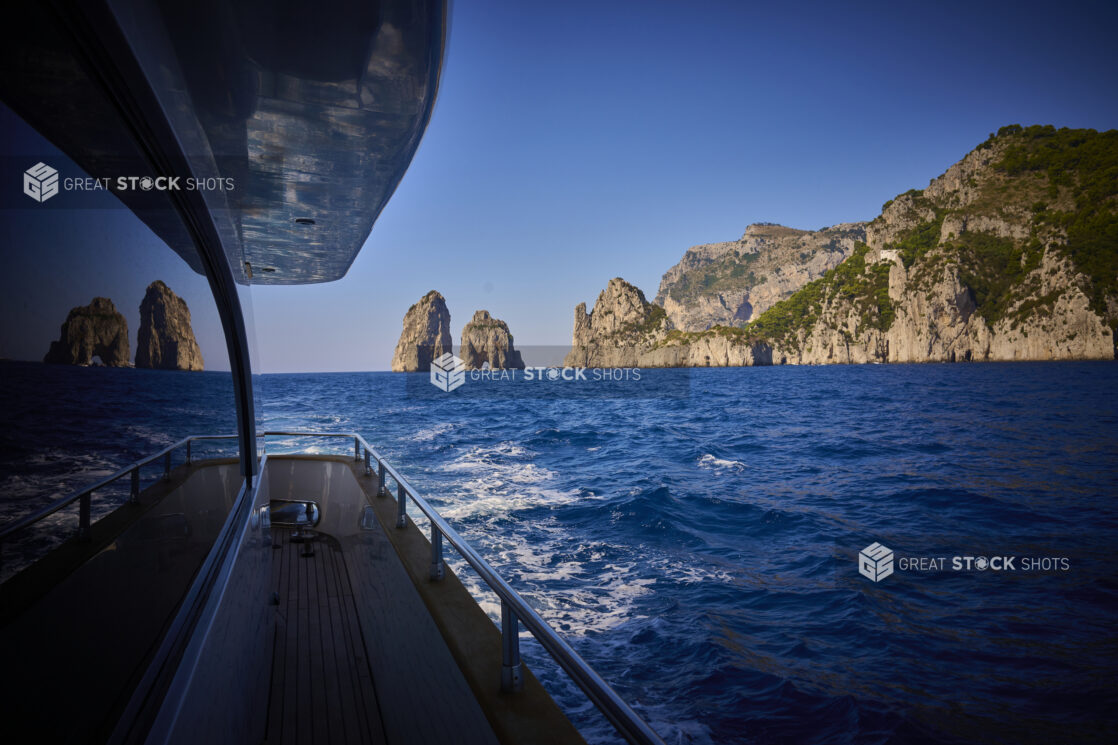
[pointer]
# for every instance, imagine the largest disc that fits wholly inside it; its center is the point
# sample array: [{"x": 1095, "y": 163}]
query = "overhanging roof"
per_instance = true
[{"x": 309, "y": 111}]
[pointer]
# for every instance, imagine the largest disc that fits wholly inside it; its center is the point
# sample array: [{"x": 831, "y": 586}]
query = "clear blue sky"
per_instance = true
[{"x": 577, "y": 141}]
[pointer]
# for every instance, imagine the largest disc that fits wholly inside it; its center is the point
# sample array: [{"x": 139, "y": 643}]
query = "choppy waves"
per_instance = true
[{"x": 699, "y": 552}]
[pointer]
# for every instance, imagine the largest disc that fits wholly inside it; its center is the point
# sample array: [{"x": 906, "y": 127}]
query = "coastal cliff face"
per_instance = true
[
  {"x": 166, "y": 340},
  {"x": 426, "y": 335},
  {"x": 621, "y": 325},
  {"x": 625, "y": 330},
  {"x": 486, "y": 340},
  {"x": 731, "y": 283},
  {"x": 1012, "y": 254},
  {"x": 97, "y": 329}
]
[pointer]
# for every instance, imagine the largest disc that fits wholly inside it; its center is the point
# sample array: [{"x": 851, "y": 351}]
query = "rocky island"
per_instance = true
[
  {"x": 426, "y": 335},
  {"x": 94, "y": 330},
  {"x": 487, "y": 341},
  {"x": 1011, "y": 254},
  {"x": 166, "y": 340}
]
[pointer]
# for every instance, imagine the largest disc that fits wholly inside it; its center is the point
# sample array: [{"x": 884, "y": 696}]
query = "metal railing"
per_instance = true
[
  {"x": 84, "y": 496},
  {"x": 514, "y": 609}
]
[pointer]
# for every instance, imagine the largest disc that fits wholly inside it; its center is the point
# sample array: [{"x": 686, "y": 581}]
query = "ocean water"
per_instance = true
[{"x": 700, "y": 551}]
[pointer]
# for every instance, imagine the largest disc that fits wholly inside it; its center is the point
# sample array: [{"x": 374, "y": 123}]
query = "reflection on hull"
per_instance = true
[{"x": 81, "y": 631}]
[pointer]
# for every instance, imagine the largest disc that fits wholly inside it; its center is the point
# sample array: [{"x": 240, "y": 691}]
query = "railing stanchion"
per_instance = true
[
  {"x": 84, "y": 503},
  {"x": 511, "y": 679},
  {"x": 401, "y": 506},
  {"x": 135, "y": 495},
  {"x": 437, "y": 568},
  {"x": 514, "y": 610}
]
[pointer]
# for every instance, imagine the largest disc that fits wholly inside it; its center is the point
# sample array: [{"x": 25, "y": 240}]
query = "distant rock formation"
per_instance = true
[
  {"x": 732, "y": 283},
  {"x": 165, "y": 340},
  {"x": 426, "y": 335},
  {"x": 625, "y": 330},
  {"x": 1008, "y": 255},
  {"x": 487, "y": 340},
  {"x": 97, "y": 329},
  {"x": 621, "y": 324}
]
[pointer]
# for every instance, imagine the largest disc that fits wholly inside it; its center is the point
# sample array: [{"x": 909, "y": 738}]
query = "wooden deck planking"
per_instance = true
[
  {"x": 364, "y": 662},
  {"x": 423, "y": 695},
  {"x": 322, "y": 689},
  {"x": 334, "y": 722}
]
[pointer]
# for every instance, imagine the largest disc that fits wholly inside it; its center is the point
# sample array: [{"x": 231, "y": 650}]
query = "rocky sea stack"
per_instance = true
[
  {"x": 486, "y": 340},
  {"x": 94, "y": 330},
  {"x": 426, "y": 335},
  {"x": 166, "y": 340}
]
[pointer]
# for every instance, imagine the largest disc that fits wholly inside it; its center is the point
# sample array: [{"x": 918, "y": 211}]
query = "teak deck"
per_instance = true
[
  {"x": 322, "y": 687},
  {"x": 329, "y": 642}
]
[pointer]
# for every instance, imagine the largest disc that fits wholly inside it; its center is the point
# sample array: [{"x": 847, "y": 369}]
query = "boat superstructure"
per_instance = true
[{"x": 248, "y": 588}]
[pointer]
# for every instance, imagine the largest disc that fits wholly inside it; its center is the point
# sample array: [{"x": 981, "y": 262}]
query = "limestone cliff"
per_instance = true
[
  {"x": 1011, "y": 254},
  {"x": 166, "y": 340},
  {"x": 625, "y": 330},
  {"x": 426, "y": 335},
  {"x": 487, "y": 340},
  {"x": 731, "y": 283},
  {"x": 97, "y": 329},
  {"x": 621, "y": 324}
]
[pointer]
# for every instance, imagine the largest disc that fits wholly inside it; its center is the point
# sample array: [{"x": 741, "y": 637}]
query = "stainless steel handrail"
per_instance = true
[
  {"x": 85, "y": 494},
  {"x": 514, "y": 609}
]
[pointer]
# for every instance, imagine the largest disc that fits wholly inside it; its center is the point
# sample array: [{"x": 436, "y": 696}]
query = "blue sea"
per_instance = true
[{"x": 701, "y": 550}]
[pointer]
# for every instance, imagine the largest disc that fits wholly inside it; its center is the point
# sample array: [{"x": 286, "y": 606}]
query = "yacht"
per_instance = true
[{"x": 252, "y": 586}]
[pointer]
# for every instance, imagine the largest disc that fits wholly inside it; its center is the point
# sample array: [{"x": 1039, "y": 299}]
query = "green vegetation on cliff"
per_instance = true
[
  {"x": 1057, "y": 187},
  {"x": 994, "y": 269},
  {"x": 730, "y": 272},
  {"x": 865, "y": 286},
  {"x": 656, "y": 316},
  {"x": 920, "y": 240},
  {"x": 1086, "y": 163}
]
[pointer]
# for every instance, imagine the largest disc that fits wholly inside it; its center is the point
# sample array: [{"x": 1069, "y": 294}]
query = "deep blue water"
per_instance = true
[{"x": 699, "y": 551}]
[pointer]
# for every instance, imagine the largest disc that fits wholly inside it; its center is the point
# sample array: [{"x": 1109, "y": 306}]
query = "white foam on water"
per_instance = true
[
  {"x": 426, "y": 435},
  {"x": 56, "y": 474},
  {"x": 564, "y": 575},
  {"x": 148, "y": 435},
  {"x": 720, "y": 465},
  {"x": 498, "y": 480},
  {"x": 583, "y": 587},
  {"x": 569, "y": 582}
]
